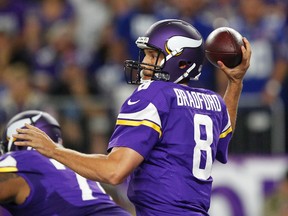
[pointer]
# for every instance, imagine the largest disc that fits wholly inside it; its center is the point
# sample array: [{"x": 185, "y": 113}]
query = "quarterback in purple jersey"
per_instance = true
[
  {"x": 35, "y": 185},
  {"x": 179, "y": 131},
  {"x": 167, "y": 134}
]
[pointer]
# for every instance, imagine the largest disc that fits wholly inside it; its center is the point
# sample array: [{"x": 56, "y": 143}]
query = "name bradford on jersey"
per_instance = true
[{"x": 197, "y": 100}]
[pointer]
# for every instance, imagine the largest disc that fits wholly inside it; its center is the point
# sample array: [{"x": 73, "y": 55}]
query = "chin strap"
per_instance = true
[
  {"x": 173, "y": 53},
  {"x": 196, "y": 77},
  {"x": 186, "y": 74}
]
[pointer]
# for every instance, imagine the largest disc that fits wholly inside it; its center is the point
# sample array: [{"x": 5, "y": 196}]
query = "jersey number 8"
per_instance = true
[{"x": 202, "y": 145}]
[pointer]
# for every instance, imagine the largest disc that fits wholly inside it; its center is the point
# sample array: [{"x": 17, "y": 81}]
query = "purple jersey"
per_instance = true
[
  {"x": 55, "y": 189},
  {"x": 179, "y": 131}
]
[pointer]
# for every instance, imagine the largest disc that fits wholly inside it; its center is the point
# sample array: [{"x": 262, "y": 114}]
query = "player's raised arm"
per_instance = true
[
  {"x": 112, "y": 168},
  {"x": 235, "y": 81}
]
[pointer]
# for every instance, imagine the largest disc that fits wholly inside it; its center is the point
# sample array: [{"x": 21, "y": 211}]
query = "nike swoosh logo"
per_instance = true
[{"x": 132, "y": 102}]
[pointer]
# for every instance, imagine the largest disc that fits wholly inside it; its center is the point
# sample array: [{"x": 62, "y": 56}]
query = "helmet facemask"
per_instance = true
[
  {"x": 137, "y": 72},
  {"x": 2, "y": 148}
]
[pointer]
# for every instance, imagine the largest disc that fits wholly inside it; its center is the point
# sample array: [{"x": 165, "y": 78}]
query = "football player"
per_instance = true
[
  {"x": 167, "y": 134},
  {"x": 32, "y": 184}
]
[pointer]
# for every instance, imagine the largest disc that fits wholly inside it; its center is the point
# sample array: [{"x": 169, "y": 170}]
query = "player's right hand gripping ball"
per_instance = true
[{"x": 224, "y": 44}]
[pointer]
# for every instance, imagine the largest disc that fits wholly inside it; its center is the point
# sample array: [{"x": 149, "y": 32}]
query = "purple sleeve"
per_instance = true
[
  {"x": 138, "y": 127},
  {"x": 224, "y": 139}
]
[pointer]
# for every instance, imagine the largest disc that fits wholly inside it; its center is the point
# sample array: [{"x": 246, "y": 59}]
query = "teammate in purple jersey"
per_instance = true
[
  {"x": 167, "y": 134},
  {"x": 32, "y": 184}
]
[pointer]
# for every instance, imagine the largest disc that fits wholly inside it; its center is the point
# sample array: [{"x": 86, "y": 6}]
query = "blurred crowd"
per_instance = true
[{"x": 66, "y": 57}]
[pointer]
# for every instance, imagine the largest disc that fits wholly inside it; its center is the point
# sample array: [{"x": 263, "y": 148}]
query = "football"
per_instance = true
[{"x": 224, "y": 44}]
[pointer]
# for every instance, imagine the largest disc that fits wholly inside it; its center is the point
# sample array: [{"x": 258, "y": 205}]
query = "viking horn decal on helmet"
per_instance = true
[
  {"x": 176, "y": 44},
  {"x": 179, "y": 42}
]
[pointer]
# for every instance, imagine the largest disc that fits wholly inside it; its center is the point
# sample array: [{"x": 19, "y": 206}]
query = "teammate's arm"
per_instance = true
[
  {"x": 112, "y": 168},
  {"x": 14, "y": 188}
]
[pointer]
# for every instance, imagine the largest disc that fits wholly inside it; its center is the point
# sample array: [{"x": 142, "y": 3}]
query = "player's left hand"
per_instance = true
[{"x": 36, "y": 138}]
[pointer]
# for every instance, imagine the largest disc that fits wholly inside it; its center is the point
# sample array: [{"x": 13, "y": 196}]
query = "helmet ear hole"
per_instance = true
[{"x": 184, "y": 64}]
